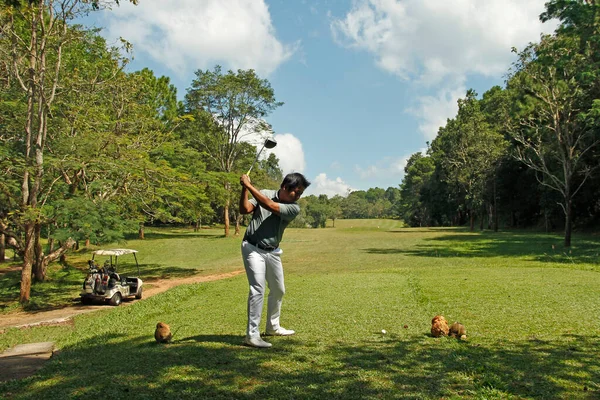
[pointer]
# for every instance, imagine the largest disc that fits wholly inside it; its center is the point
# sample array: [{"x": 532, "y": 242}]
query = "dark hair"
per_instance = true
[{"x": 294, "y": 180}]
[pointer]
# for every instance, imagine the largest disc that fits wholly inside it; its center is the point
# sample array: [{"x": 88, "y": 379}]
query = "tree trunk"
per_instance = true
[
  {"x": 197, "y": 225},
  {"x": 59, "y": 253},
  {"x": 472, "y": 220},
  {"x": 226, "y": 210},
  {"x": 28, "y": 260},
  {"x": 2, "y": 247},
  {"x": 141, "y": 233},
  {"x": 38, "y": 268},
  {"x": 568, "y": 221},
  {"x": 495, "y": 208},
  {"x": 87, "y": 242},
  {"x": 238, "y": 220},
  {"x": 226, "y": 217},
  {"x": 481, "y": 219}
]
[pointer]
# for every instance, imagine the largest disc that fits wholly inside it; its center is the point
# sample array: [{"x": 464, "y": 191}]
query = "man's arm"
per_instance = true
[
  {"x": 261, "y": 199},
  {"x": 246, "y": 207}
]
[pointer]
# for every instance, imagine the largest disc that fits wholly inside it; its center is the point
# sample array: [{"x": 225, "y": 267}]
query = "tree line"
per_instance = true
[
  {"x": 89, "y": 151},
  {"x": 525, "y": 154}
]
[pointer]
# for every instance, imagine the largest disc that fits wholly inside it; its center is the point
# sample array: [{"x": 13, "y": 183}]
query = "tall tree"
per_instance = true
[
  {"x": 558, "y": 116},
  {"x": 36, "y": 33},
  {"x": 414, "y": 207},
  {"x": 234, "y": 106},
  {"x": 470, "y": 151},
  {"x": 496, "y": 107}
]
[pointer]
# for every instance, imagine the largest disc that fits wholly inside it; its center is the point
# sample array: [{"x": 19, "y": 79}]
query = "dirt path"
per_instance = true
[{"x": 64, "y": 315}]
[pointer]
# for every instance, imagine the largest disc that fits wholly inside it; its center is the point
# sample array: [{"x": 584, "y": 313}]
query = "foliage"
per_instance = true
[
  {"x": 467, "y": 150},
  {"x": 556, "y": 131},
  {"x": 546, "y": 118},
  {"x": 226, "y": 109}
]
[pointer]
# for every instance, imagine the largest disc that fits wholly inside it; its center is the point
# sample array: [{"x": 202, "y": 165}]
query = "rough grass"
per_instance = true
[{"x": 531, "y": 314}]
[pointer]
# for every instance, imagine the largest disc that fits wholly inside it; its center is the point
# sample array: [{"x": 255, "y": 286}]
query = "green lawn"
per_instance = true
[{"x": 531, "y": 313}]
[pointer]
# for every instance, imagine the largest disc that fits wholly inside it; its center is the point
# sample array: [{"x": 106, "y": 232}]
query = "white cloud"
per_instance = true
[
  {"x": 439, "y": 44},
  {"x": 323, "y": 185},
  {"x": 431, "y": 41},
  {"x": 288, "y": 150},
  {"x": 434, "y": 111},
  {"x": 185, "y": 35},
  {"x": 290, "y": 153},
  {"x": 384, "y": 169}
]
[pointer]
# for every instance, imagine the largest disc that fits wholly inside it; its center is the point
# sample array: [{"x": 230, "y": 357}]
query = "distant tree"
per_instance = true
[
  {"x": 356, "y": 205},
  {"x": 335, "y": 207},
  {"x": 317, "y": 210},
  {"x": 393, "y": 196},
  {"x": 414, "y": 207}
]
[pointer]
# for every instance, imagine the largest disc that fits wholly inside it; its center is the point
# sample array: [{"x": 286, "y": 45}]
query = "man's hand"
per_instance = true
[{"x": 245, "y": 181}]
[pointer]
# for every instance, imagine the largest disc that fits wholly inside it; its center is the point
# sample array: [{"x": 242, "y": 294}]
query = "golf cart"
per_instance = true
[{"x": 105, "y": 284}]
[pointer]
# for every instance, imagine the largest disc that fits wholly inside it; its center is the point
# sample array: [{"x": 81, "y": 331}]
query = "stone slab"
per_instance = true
[{"x": 24, "y": 360}]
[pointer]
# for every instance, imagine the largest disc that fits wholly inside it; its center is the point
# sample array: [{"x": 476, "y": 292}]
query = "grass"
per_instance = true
[
  {"x": 531, "y": 314},
  {"x": 163, "y": 254}
]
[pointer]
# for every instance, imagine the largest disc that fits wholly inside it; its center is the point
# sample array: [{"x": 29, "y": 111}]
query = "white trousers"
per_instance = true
[{"x": 263, "y": 266}]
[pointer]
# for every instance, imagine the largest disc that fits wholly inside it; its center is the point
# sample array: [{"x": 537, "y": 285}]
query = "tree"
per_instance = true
[
  {"x": 35, "y": 33},
  {"x": 470, "y": 151},
  {"x": 228, "y": 107},
  {"x": 335, "y": 207},
  {"x": 413, "y": 209},
  {"x": 356, "y": 205},
  {"x": 496, "y": 107},
  {"x": 559, "y": 117},
  {"x": 317, "y": 210}
]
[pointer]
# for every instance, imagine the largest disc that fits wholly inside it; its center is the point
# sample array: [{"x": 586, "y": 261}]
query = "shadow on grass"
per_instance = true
[
  {"x": 540, "y": 247},
  {"x": 150, "y": 272},
  {"x": 176, "y": 235},
  {"x": 218, "y": 367},
  {"x": 58, "y": 291}
]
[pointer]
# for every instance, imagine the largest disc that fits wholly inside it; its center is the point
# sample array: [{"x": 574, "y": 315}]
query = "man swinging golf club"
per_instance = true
[{"x": 272, "y": 211}]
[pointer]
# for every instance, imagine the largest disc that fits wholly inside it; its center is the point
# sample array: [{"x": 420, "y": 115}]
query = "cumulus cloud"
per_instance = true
[
  {"x": 385, "y": 168},
  {"x": 288, "y": 150},
  {"x": 439, "y": 44},
  {"x": 330, "y": 187},
  {"x": 290, "y": 153},
  {"x": 430, "y": 41},
  {"x": 186, "y": 35},
  {"x": 434, "y": 111}
]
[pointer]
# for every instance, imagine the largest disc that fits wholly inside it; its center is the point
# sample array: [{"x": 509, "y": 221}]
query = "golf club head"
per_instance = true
[{"x": 270, "y": 143}]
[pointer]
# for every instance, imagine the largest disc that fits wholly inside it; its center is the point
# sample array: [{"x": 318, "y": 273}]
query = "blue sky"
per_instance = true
[{"x": 366, "y": 83}]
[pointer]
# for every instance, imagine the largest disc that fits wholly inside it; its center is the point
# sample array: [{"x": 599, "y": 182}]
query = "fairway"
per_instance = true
[{"x": 530, "y": 310}]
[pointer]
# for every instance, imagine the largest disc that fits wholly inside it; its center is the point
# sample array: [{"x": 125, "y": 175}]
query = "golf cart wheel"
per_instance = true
[
  {"x": 116, "y": 299},
  {"x": 139, "y": 293}
]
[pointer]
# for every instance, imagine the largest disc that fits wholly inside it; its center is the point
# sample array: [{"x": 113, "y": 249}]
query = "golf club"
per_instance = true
[{"x": 269, "y": 144}]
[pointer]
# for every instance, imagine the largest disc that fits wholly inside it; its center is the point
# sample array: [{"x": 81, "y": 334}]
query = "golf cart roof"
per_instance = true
[{"x": 114, "y": 252}]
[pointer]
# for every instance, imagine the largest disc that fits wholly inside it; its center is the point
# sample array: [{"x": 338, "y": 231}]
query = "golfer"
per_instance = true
[{"x": 272, "y": 211}]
